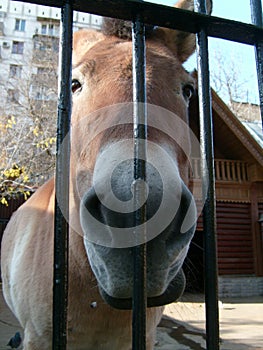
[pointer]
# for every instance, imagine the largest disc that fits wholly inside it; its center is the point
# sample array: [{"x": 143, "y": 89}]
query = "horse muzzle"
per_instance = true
[{"x": 107, "y": 213}]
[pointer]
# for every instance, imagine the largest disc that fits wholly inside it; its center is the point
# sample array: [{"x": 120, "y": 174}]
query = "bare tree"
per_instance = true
[
  {"x": 28, "y": 121},
  {"x": 228, "y": 81}
]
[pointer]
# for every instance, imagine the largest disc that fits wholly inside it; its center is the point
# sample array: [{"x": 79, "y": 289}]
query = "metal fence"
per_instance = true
[{"x": 203, "y": 26}]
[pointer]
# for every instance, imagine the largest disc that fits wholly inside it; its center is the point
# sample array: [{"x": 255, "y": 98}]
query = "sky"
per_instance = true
[{"x": 238, "y": 57}]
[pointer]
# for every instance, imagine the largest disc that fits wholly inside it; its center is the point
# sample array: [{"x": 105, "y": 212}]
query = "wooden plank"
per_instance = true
[
  {"x": 237, "y": 266},
  {"x": 235, "y": 272},
  {"x": 228, "y": 215},
  {"x": 235, "y": 235},
  {"x": 230, "y": 228},
  {"x": 226, "y": 256},
  {"x": 234, "y": 238},
  {"x": 235, "y": 250}
]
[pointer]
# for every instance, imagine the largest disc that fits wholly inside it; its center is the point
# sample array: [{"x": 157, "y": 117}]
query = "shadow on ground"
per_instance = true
[{"x": 172, "y": 334}]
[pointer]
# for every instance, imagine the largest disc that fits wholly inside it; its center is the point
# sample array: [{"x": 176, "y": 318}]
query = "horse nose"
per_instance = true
[
  {"x": 107, "y": 213},
  {"x": 108, "y": 209},
  {"x": 111, "y": 200}
]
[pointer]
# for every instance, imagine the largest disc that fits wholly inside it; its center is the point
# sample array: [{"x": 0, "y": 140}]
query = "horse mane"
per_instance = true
[{"x": 121, "y": 28}]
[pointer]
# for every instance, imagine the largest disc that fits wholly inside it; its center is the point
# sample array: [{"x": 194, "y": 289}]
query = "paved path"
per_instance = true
[
  {"x": 241, "y": 324},
  {"x": 182, "y": 326}
]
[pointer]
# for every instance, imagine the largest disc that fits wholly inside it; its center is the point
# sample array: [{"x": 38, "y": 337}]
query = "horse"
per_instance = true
[{"x": 101, "y": 191}]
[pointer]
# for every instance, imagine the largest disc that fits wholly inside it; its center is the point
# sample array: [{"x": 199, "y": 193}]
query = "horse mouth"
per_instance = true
[{"x": 172, "y": 293}]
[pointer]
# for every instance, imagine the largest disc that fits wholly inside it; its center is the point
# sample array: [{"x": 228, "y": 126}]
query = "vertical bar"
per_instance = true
[
  {"x": 234, "y": 170},
  {"x": 239, "y": 174},
  {"x": 208, "y": 177},
  {"x": 218, "y": 174},
  {"x": 228, "y": 174},
  {"x": 140, "y": 140},
  {"x": 256, "y": 15},
  {"x": 60, "y": 283}
]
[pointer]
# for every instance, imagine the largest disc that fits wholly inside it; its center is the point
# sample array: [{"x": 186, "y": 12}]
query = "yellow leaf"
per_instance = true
[
  {"x": 26, "y": 178},
  {"x": 4, "y": 201}
]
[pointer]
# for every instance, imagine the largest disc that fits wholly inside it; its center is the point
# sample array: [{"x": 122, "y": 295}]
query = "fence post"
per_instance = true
[
  {"x": 256, "y": 15},
  {"x": 208, "y": 178},
  {"x": 139, "y": 302},
  {"x": 60, "y": 283}
]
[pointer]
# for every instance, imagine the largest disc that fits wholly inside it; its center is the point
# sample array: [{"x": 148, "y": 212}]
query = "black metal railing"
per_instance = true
[
  {"x": 208, "y": 178},
  {"x": 61, "y": 226},
  {"x": 256, "y": 16},
  {"x": 139, "y": 303},
  {"x": 195, "y": 22}
]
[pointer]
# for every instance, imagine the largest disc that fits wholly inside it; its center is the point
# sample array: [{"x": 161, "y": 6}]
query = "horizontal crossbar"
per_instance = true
[{"x": 166, "y": 16}]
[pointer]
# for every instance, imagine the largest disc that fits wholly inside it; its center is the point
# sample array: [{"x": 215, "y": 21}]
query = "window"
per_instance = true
[
  {"x": 12, "y": 96},
  {"x": 15, "y": 71},
  {"x": 1, "y": 27},
  {"x": 18, "y": 47},
  {"x": 39, "y": 92},
  {"x": 38, "y": 45},
  {"x": 20, "y": 25},
  {"x": 43, "y": 70},
  {"x": 52, "y": 44},
  {"x": 44, "y": 29},
  {"x": 50, "y": 29}
]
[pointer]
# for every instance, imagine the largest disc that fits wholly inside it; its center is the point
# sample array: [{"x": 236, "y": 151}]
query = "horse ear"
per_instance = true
[
  {"x": 83, "y": 40},
  {"x": 182, "y": 44}
]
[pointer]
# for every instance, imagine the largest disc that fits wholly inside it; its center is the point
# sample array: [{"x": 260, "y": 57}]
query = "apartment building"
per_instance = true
[
  {"x": 29, "y": 42},
  {"x": 29, "y": 49}
]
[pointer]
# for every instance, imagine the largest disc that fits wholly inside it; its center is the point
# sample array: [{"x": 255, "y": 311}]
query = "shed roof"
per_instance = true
[{"x": 232, "y": 139}]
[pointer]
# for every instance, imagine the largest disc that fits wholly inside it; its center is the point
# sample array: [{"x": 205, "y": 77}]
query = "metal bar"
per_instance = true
[
  {"x": 166, "y": 16},
  {"x": 60, "y": 284},
  {"x": 139, "y": 303},
  {"x": 256, "y": 15},
  {"x": 208, "y": 177}
]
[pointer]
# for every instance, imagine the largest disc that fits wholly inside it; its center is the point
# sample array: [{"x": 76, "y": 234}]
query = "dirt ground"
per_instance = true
[{"x": 183, "y": 325}]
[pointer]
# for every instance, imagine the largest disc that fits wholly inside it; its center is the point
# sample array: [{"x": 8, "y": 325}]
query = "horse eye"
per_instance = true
[
  {"x": 75, "y": 86},
  {"x": 188, "y": 91}
]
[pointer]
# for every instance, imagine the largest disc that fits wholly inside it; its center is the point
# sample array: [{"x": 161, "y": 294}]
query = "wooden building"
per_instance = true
[{"x": 239, "y": 204}]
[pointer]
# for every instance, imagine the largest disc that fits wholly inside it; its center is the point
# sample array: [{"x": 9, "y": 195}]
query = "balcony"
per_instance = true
[
  {"x": 225, "y": 170},
  {"x": 232, "y": 180},
  {"x": 45, "y": 49}
]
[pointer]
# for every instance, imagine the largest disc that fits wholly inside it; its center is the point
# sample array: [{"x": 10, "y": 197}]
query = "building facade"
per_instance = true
[
  {"x": 29, "y": 32},
  {"x": 29, "y": 50},
  {"x": 238, "y": 167}
]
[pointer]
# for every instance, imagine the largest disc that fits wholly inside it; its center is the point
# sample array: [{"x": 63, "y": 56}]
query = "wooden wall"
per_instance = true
[{"x": 234, "y": 239}]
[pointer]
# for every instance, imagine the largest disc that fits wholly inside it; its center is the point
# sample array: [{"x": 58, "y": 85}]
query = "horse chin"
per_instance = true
[{"x": 172, "y": 293}]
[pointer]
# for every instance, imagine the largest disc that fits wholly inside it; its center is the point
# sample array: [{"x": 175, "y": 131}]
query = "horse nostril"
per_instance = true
[{"x": 92, "y": 204}]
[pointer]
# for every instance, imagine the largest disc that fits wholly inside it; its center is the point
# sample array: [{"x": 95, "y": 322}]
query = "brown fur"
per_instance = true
[{"x": 103, "y": 65}]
